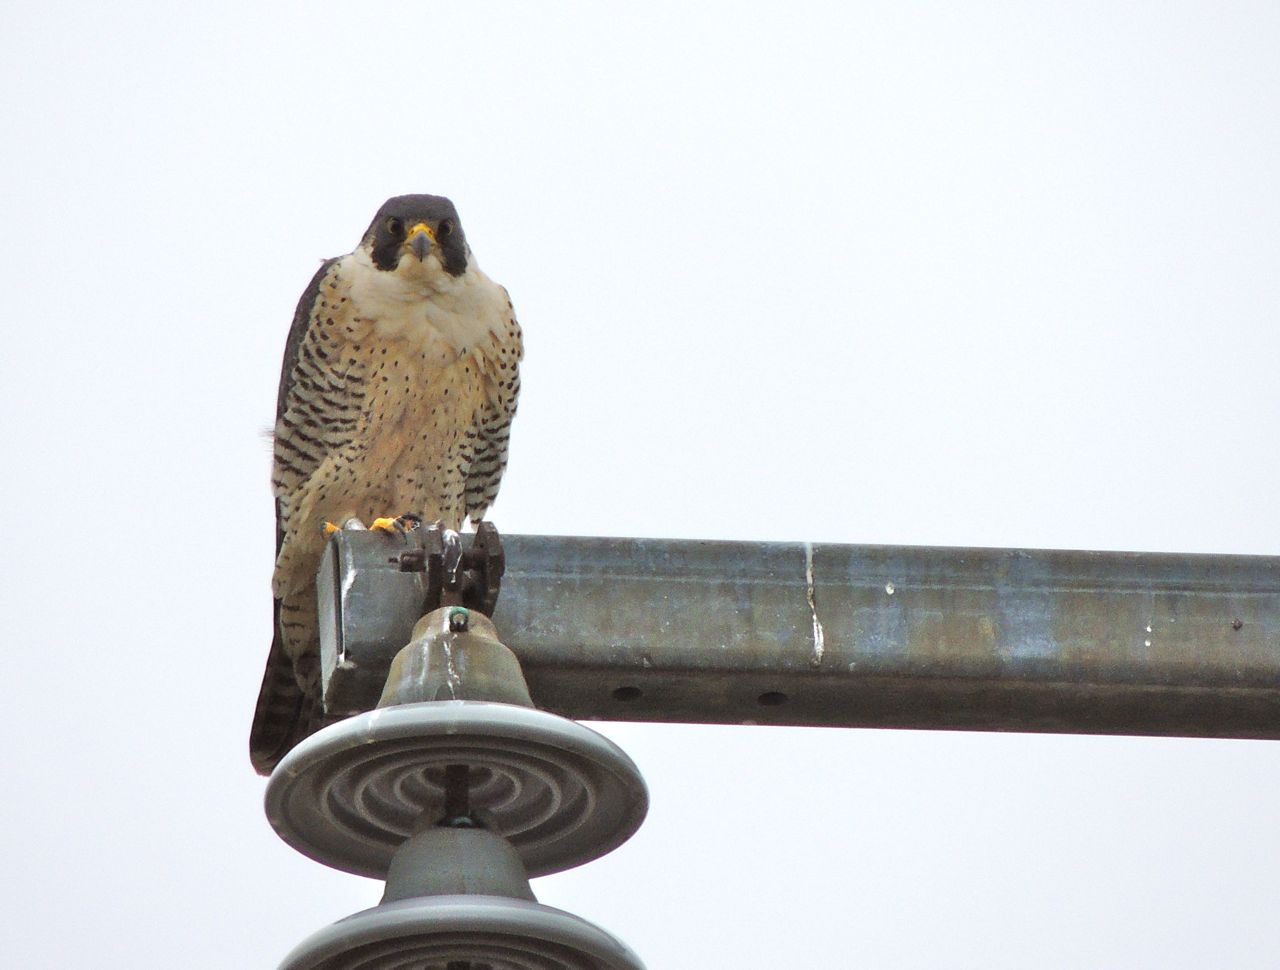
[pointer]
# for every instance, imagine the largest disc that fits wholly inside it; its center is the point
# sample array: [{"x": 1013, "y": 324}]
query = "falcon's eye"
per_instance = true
[
  {"x": 395, "y": 227},
  {"x": 444, "y": 229}
]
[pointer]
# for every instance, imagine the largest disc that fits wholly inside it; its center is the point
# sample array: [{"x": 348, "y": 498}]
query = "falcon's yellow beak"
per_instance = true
[{"x": 420, "y": 240}]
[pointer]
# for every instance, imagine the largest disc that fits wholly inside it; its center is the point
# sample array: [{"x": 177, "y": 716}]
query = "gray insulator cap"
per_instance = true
[
  {"x": 350, "y": 794},
  {"x": 479, "y": 931},
  {"x": 441, "y": 861}
]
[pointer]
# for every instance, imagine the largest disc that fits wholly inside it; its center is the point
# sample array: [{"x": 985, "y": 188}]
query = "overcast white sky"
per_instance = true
[{"x": 1001, "y": 274}]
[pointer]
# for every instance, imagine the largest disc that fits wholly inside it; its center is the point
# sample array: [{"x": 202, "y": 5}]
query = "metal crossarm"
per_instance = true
[{"x": 856, "y": 636}]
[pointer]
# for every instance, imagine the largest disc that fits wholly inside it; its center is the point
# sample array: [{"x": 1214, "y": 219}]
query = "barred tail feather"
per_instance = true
[{"x": 285, "y": 713}]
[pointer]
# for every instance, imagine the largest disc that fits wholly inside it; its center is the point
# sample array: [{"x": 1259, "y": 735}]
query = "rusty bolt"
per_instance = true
[
  {"x": 1237, "y": 624},
  {"x": 458, "y": 620}
]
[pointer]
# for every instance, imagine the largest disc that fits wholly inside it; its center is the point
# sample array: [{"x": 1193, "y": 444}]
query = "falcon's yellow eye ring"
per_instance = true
[{"x": 395, "y": 227}]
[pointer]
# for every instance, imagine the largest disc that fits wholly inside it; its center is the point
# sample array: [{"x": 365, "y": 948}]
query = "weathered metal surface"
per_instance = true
[
  {"x": 368, "y": 607},
  {"x": 878, "y": 636}
]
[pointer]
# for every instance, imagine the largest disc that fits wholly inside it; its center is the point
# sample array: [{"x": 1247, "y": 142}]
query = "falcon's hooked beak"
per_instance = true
[{"x": 420, "y": 240}]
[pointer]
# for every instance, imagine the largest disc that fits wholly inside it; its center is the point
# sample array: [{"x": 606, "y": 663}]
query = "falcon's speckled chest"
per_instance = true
[{"x": 416, "y": 350}]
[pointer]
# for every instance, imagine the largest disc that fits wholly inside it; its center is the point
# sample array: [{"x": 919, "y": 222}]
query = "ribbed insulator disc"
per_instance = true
[
  {"x": 350, "y": 794},
  {"x": 437, "y": 932}
]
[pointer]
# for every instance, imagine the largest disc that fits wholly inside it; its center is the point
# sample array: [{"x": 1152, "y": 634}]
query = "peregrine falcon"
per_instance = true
[{"x": 400, "y": 378}]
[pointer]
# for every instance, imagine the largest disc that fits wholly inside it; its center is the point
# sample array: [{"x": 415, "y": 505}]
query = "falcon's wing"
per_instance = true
[
  {"x": 493, "y": 427},
  {"x": 297, "y": 454},
  {"x": 284, "y": 713},
  {"x": 301, "y": 322}
]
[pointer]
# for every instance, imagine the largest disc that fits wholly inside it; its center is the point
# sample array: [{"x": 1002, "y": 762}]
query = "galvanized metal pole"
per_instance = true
[{"x": 853, "y": 636}]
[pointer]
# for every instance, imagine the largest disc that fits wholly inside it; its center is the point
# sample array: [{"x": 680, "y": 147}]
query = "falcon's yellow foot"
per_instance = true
[
  {"x": 348, "y": 525},
  {"x": 401, "y": 524}
]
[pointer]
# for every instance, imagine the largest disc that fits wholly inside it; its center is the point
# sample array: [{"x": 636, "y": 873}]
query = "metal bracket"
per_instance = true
[
  {"x": 373, "y": 588},
  {"x": 474, "y": 581}
]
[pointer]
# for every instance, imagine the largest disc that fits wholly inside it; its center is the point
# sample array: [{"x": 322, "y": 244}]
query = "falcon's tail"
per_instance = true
[{"x": 285, "y": 713}]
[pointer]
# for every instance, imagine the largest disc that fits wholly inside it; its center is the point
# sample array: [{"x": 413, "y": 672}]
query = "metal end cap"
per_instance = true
[
  {"x": 443, "y": 663},
  {"x": 352, "y": 793},
  {"x": 440, "y": 931}
]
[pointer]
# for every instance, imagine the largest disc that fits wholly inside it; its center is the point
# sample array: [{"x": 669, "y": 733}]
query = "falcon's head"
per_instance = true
[{"x": 410, "y": 233}]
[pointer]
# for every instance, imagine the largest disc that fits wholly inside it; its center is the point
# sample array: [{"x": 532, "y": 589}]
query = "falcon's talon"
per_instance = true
[
  {"x": 402, "y": 524},
  {"x": 329, "y": 529}
]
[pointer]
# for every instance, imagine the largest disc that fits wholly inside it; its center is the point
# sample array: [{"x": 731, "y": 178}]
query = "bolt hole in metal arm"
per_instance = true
[{"x": 844, "y": 635}]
